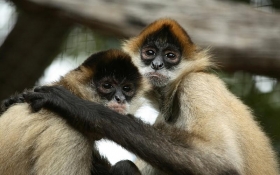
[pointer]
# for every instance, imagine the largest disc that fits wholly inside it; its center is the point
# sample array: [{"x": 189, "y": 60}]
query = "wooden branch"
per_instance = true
[
  {"x": 237, "y": 33},
  {"x": 249, "y": 60}
]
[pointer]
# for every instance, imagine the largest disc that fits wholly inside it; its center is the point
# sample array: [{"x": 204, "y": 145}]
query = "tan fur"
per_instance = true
[
  {"x": 43, "y": 143},
  {"x": 220, "y": 124},
  {"x": 224, "y": 123}
]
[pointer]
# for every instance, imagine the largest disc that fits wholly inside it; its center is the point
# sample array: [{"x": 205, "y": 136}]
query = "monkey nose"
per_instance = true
[
  {"x": 157, "y": 66},
  {"x": 119, "y": 99}
]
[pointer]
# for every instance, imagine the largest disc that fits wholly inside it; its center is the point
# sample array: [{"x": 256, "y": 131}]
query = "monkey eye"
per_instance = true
[
  {"x": 150, "y": 52},
  {"x": 170, "y": 55},
  {"x": 127, "y": 88},
  {"x": 107, "y": 86}
]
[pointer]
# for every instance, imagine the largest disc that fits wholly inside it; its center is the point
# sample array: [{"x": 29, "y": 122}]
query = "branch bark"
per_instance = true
[{"x": 241, "y": 37}]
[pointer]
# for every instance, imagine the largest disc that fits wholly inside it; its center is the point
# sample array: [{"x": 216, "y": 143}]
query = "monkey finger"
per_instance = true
[
  {"x": 31, "y": 96},
  {"x": 38, "y": 104},
  {"x": 7, "y": 103},
  {"x": 3, "y": 107},
  {"x": 10, "y": 101},
  {"x": 54, "y": 92},
  {"x": 60, "y": 94},
  {"x": 20, "y": 99},
  {"x": 42, "y": 89}
]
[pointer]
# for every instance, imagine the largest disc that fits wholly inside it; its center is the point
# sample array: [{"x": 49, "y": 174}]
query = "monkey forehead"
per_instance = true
[
  {"x": 106, "y": 56},
  {"x": 112, "y": 63},
  {"x": 117, "y": 68},
  {"x": 156, "y": 29}
]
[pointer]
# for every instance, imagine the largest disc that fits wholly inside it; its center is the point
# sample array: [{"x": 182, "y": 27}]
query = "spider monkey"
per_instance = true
[
  {"x": 44, "y": 144},
  {"x": 202, "y": 128}
]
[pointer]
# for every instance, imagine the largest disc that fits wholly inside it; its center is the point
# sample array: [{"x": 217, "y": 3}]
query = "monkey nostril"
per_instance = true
[
  {"x": 157, "y": 66},
  {"x": 118, "y": 99},
  {"x": 153, "y": 66}
]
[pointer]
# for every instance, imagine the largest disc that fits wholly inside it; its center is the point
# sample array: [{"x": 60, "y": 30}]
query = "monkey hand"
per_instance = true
[
  {"x": 76, "y": 111},
  {"x": 50, "y": 97},
  {"x": 7, "y": 103}
]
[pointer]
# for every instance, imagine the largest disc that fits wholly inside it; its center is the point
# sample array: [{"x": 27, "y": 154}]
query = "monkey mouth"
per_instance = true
[
  {"x": 155, "y": 75},
  {"x": 157, "y": 79},
  {"x": 119, "y": 108}
]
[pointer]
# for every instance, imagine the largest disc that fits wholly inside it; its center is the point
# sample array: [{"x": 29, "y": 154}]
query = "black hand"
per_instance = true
[
  {"x": 52, "y": 97},
  {"x": 58, "y": 99},
  {"x": 17, "y": 98}
]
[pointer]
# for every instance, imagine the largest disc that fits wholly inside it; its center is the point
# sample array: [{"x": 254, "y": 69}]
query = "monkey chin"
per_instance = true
[
  {"x": 119, "y": 108},
  {"x": 157, "y": 79}
]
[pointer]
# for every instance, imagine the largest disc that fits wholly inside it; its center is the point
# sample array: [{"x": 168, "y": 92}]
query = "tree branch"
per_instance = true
[{"x": 236, "y": 32}]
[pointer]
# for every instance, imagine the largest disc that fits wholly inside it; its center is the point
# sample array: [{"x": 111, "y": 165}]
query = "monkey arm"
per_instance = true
[
  {"x": 164, "y": 148},
  {"x": 7, "y": 103}
]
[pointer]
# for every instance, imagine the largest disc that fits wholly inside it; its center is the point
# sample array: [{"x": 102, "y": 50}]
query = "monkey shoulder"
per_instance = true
[
  {"x": 207, "y": 101},
  {"x": 20, "y": 129},
  {"x": 208, "y": 87},
  {"x": 19, "y": 118},
  {"x": 16, "y": 110},
  {"x": 202, "y": 80}
]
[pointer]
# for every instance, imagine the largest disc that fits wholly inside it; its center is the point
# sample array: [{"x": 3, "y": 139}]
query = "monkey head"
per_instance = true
[
  {"x": 109, "y": 78},
  {"x": 163, "y": 50}
]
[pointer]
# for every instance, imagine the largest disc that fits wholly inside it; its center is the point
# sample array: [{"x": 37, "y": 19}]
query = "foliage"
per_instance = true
[{"x": 262, "y": 94}]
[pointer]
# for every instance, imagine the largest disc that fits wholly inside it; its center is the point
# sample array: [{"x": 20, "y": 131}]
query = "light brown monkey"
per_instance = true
[
  {"x": 44, "y": 144},
  {"x": 202, "y": 128},
  {"x": 219, "y": 128}
]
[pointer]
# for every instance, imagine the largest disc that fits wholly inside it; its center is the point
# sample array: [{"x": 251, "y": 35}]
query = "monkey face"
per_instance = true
[
  {"x": 115, "y": 94},
  {"x": 159, "y": 61},
  {"x": 114, "y": 79},
  {"x": 161, "y": 51},
  {"x": 160, "y": 54}
]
